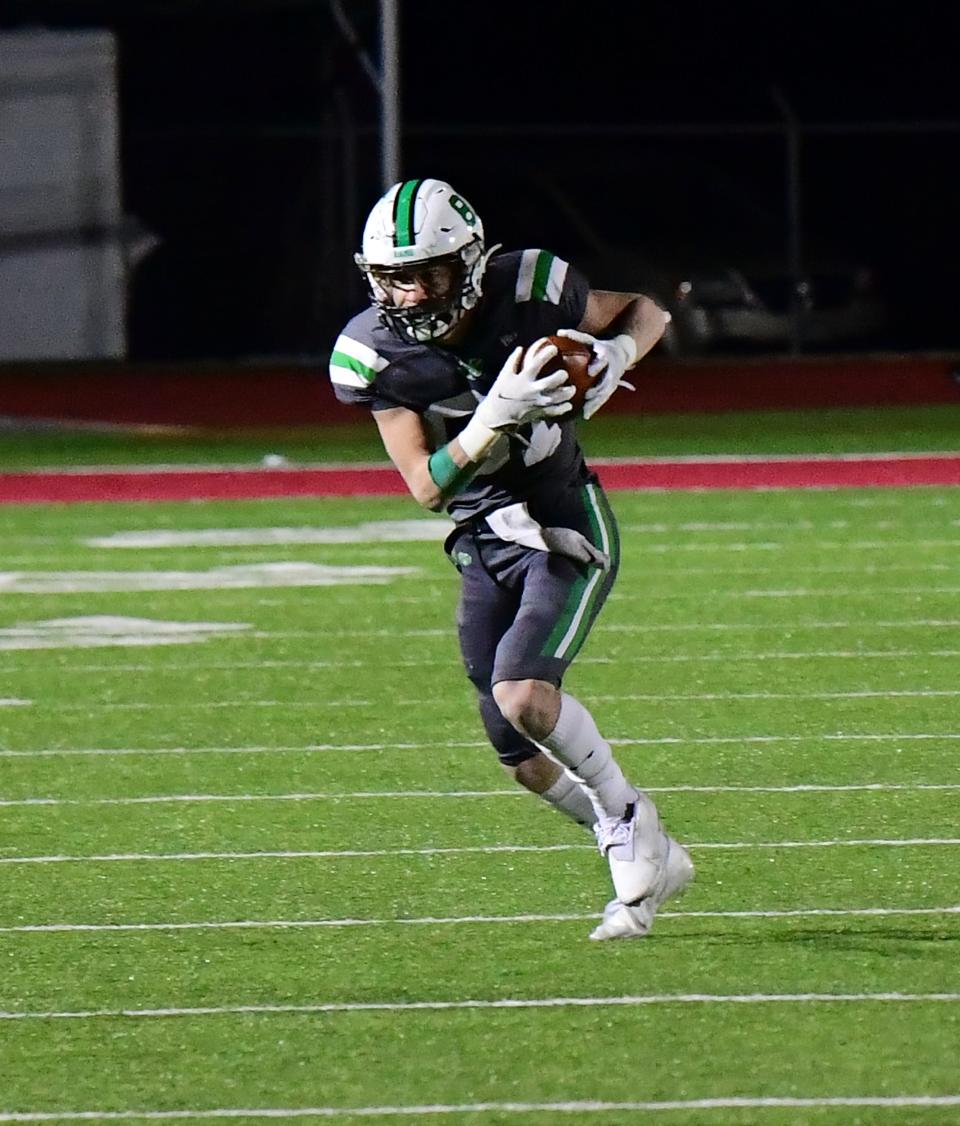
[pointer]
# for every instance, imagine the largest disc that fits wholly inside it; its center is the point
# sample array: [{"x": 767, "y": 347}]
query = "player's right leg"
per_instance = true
[
  {"x": 532, "y": 658},
  {"x": 627, "y": 824},
  {"x": 485, "y": 612},
  {"x": 562, "y": 597},
  {"x": 623, "y": 920}
]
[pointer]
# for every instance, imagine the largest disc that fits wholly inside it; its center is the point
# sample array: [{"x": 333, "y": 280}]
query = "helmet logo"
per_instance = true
[{"x": 464, "y": 210}]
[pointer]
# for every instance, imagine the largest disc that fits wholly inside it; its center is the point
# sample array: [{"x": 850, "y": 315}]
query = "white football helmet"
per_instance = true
[{"x": 423, "y": 231}]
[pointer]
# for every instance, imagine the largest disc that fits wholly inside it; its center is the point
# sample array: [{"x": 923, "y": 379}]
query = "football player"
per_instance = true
[{"x": 449, "y": 359}]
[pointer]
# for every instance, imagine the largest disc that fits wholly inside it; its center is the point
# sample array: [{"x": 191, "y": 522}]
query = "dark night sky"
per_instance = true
[{"x": 224, "y": 156}]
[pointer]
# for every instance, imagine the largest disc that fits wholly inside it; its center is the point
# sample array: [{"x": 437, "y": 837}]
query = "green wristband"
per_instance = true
[{"x": 446, "y": 474}]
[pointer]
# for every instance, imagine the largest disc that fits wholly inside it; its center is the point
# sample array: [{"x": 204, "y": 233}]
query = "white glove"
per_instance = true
[
  {"x": 519, "y": 394},
  {"x": 611, "y": 358}
]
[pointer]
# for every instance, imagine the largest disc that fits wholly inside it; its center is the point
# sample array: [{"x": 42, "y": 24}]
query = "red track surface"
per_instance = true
[
  {"x": 151, "y": 484},
  {"x": 233, "y": 394}
]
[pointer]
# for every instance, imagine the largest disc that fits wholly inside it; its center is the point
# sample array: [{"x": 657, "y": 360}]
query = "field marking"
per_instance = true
[
  {"x": 378, "y": 795},
  {"x": 626, "y": 1001},
  {"x": 459, "y": 920},
  {"x": 325, "y": 748},
  {"x": 667, "y": 658},
  {"x": 354, "y": 854},
  {"x": 107, "y": 631},
  {"x": 373, "y": 531},
  {"x": 307, "y": 705},
  {"x": 742, "y": 547},
  {"x": 256, "y": 750},
  {"x": 247, "y": 576},
  {"x": 398, "y": 532},
  {"x": 649, "y": 596},
  {"x": 578, "y": 1107},
  {"x": 664, "y": 627},
  {"x": 868, "y": 570},
  {"x": 908, "y": 693},
  {"x": 14, "y": 702},
  {"x": 793, "y": 592}
]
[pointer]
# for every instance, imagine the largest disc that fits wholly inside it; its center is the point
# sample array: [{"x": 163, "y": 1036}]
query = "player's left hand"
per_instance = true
[{"x": 611, "y": 358}]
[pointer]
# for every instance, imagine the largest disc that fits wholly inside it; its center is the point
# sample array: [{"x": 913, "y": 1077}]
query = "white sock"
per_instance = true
[
  {"x": 576, "y": 744},
  {"x": 567, "y": 795}
]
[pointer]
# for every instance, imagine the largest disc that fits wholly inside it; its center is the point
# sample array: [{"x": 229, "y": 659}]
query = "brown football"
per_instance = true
[{"x": 573, "y": 358}]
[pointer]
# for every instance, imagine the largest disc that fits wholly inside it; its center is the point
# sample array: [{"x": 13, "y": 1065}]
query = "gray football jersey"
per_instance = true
[{"x": 526, "y": 294}]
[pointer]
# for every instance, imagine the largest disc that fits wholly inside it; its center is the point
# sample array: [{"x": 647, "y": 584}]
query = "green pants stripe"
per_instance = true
[{"x": 587, "y": 593}]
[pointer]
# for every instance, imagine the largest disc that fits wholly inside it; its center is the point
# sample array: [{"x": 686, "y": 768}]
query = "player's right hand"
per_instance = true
[{"x": 521, "y": 394}]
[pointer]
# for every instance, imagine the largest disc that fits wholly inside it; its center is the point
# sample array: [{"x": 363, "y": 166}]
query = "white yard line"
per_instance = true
[
  {"x": 652, "y": 594},
  {"x": 648, "y": 596},
  {"x": 309, "y": 705},
  {"x": 499, "y": 1003},
  {"x": 864, "y": 570},
  {"x": 579, "y": 1107},
  {"x": 882, "y": 693},
  {"x": 461, "y": 920},
  {"x": 742, "y": 547},
  {"x": 183, "y": 667},
  {"x": 870, "y": 570},
  {"x": 352, "y": 854},
  {"x": 634, "y": 627},
  {"x": 378, "y": 795},
  {"x": 325, "y": 748}
]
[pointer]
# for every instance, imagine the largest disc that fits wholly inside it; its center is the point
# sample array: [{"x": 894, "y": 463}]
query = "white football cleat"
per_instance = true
[
  {"x": 635, "y": 847},
  {"x": 622, "y": 920}
]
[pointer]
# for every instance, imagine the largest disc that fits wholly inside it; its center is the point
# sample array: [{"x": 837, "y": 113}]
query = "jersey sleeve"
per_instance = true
[
  {"x": 354, "y": 367},
  {"x": 544, "y": 277},
  {"x": 372, "y": 369}
]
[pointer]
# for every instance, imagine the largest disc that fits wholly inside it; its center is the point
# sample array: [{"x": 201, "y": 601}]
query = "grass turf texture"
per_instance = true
[
  {"x": 770, "y": 640},
  {"x": 853, "y": 430}
]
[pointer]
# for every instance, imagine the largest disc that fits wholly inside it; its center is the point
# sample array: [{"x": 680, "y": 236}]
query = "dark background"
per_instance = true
[{"x": 617, "y": 134}]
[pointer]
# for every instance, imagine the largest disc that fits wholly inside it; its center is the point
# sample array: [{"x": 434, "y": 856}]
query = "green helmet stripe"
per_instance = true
[{"x": 403, "y": 212}]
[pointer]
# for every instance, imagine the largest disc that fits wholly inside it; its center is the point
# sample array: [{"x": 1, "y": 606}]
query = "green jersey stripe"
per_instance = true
[
  {"x": 354, "y": 364},
  {"x": 541, "y": 277},
  {"x": 553, "y": 290},
  {"x": 403, "y": 213},
  {"x": 349, "y": 370}
]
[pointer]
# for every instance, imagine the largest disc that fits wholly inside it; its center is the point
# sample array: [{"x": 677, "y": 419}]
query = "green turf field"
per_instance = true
[
  {"x": 848, "y": 430},
  {"x": 277, "y": 870}
]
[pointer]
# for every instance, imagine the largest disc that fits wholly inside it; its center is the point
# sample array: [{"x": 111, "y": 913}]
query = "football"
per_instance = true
[{"x": 573, "y": 358}]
